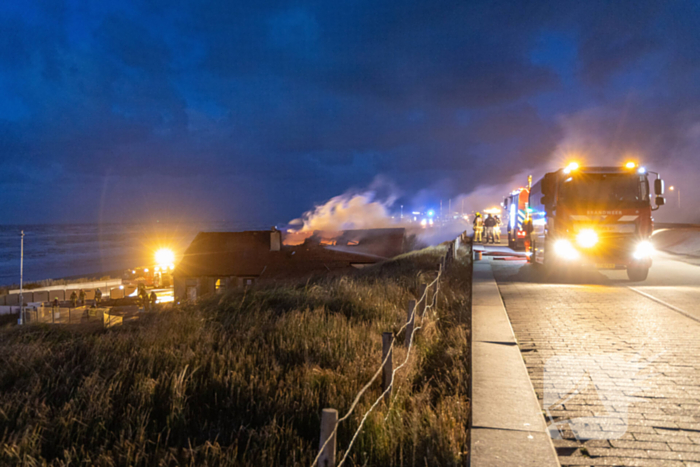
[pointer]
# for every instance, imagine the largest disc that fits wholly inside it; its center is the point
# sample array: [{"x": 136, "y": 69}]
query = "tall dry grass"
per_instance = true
[{"x": 241, "y": 379}]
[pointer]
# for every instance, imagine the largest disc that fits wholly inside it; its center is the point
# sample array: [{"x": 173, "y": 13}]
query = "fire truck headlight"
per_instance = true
[
  {"x": 644, "y": 250},
  {"x": 587, "y": 238},
  {"x": 565, "y": 249}
]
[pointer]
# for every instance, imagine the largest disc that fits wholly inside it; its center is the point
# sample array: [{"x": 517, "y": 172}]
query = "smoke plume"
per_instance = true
[
  {"x": 348, "y": 211},
  {"x": 367, "y": 210}
]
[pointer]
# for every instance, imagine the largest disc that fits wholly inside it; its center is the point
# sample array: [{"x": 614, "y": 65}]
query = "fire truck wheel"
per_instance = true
[{"x": 637, "y": 273}]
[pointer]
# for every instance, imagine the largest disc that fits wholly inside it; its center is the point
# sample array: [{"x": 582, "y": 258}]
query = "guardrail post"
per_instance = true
[
  {"x": 329, "y": 419},
  {"x": 388, "y": 367},
  {"x": 410, "y": 322}
]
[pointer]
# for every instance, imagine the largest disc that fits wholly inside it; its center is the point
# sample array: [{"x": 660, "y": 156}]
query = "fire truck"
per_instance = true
[
  {"x": 595, "y": 215},
  {"x": 515, "y": 205}
]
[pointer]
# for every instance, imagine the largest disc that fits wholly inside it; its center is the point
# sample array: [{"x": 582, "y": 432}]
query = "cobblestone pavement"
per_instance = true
[{"x": 617, "y": 374}]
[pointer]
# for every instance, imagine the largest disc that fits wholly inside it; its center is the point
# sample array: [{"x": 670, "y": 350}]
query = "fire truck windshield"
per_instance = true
[{"x": 604, "y": 190}]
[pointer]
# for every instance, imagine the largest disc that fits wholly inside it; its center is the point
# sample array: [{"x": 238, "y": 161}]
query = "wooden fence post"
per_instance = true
[
  {"x": 422, "y": 290},
  {"x": 388, "y": 367},
  {"x": 433, "y": 292},
  {"x": 329, "y": 419},
  {"x": 411, "y": 320},
  {"x": 428, "y": 298}
]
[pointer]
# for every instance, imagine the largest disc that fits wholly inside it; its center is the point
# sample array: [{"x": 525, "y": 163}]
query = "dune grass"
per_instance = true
[{"x": 241, "y": 378}]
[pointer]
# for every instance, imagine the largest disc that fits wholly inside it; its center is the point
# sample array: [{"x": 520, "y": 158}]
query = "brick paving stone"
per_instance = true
[
  {"x": 641, "y": 445},
  {"x": 611, "y": 365},
  {"x": 684, "y": 447},
  {"x": 618, "y": 452},
  {"x": 662, "y": 438}
]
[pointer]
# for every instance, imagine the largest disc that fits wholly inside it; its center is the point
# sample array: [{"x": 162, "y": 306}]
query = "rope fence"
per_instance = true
[{"x": 326, "y": 456}]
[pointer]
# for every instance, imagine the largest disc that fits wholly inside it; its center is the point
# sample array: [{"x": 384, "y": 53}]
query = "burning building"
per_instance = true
[{"x": 215, "y": 261}]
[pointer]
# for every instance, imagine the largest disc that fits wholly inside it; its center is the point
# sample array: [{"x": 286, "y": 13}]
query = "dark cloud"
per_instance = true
[{"x": 262, "y": 108}]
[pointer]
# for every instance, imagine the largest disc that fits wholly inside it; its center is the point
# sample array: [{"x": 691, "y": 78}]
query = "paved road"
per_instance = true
[{"x": 615, "y": 365}]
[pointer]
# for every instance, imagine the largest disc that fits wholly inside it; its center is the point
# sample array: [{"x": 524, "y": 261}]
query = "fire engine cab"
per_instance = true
[
  {"x": 515, "y": 205},
  {"x": 595, "y": 215}
]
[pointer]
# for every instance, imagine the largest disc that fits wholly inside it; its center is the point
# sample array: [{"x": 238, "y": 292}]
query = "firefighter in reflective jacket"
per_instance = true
[
  {"x": 528, "y": 228},
  {"x": 478, "y": 228},
  {"x": 497, "y": 229}
]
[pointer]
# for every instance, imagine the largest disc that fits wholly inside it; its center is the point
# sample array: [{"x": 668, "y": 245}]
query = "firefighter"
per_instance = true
[
  {"x": 489, "y": 224},
  {"x": 73, "y": 299},
  {"x": 143, "y": 295},
  {"x": 497, "y": 229},
  {"x": 528, "y": 228},
  {"x": 478, "y": 227},
  {"x": 81, "y": 296},
  {"x": 54, "y": 308},
  {"x": 154, "y": 300},
  {"x": 98, "y": 297}
]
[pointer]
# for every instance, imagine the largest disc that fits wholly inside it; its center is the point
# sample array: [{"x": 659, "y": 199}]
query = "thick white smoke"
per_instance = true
[
  {"x": 367, "y": 210},
  {"x": 348, "y": 211}
]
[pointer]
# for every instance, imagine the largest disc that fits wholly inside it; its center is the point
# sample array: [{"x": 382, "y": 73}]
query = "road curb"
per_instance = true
[{"x": 508, "y": 428}]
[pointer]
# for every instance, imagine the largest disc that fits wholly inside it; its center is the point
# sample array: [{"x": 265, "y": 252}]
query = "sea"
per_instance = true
[{"x": 56, "y": 251}]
